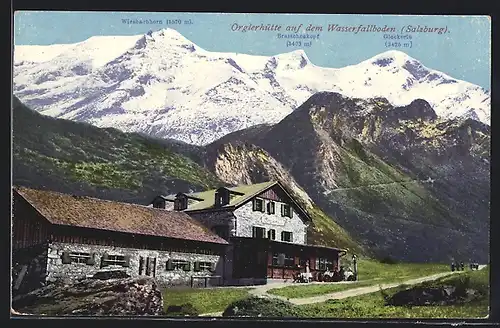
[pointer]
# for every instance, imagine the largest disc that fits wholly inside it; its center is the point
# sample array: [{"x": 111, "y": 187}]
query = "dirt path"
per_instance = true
[
  {"x": 369, "y": 289},
  {"x": 261, "y": 291},
  {"x": 380, "y": 185}
]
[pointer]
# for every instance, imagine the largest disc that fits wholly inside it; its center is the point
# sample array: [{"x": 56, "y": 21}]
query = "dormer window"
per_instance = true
[
  {"x": 159, "y": 203},
  {"x": 180, "y": 203},
  {"x": 286, "y": 210},
  {"x": 221, "y": 197},
  {"x": 258, "y": 205}
]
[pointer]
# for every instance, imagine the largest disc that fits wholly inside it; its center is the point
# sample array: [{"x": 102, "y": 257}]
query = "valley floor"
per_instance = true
[{"x": 341, "y": 300}]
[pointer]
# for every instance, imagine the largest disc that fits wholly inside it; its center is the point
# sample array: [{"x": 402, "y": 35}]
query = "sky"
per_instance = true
[{"x": 462, "y": 49}]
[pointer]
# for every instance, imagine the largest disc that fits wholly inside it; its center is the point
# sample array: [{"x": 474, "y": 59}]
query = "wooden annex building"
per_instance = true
[
  {"x": 57, "y": 235},
  {"x": 242, "y": 235}
]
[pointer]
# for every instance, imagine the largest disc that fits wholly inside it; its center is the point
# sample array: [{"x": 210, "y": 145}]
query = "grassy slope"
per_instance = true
[
  {"x": 377, "y": 187},
  {"x": 370, "y": 273},
  {"x": 373, "y": 305},
  {"x": 204, "y": 300},
  {"x": 325, "y": 231},
  {"x": 99, "y": 157}
]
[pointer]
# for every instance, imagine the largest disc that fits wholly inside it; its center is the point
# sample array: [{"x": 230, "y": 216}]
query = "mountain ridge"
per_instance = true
[
  {"x": 393, "y": 178},
  {"x": 156, "y": 82}
]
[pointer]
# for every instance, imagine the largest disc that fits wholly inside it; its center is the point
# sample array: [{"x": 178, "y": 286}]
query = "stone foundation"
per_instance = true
[{"x": 56, "y": 269}]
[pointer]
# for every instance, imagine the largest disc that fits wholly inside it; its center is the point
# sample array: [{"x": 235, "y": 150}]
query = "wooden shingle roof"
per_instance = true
[{"x": 88, "y": 212}]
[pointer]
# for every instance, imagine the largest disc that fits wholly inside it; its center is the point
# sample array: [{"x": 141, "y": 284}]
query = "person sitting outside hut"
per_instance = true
[{"x": 307, "y": 274}]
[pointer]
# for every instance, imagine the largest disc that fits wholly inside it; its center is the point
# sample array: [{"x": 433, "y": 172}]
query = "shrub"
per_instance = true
[
  {"x": 260, "y": 307},
  {"x": 388, "y": 260},
  {"x": 182, "y": 310}
]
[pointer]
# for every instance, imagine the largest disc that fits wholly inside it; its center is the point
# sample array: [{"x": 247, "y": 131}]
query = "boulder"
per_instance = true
[
  {"x": 443, "y": 295},
  {"x": 90, "y": 296},
  {"x": 111, "y": 274}
]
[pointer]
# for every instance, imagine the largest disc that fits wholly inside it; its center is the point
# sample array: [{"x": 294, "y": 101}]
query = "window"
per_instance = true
[
  {"x": 222, "y": 197},
  {"x": 278, "y": 259},
  {"x": 324, "y": 264},
  {"x": 283, "y": 260},
  {"x": 180, "y": 204},
  {"x": 159, "y": 204},
  {"x": 150, "y": 263},
  {"x": 79, "y": 257},
  {"x": 304, "y": 261},
  {"x": 270, "y": 208},
  {"x": 76, "y": 257},
  {"x": 178, "y": 265},
  {"x": 286, "y": 210},
  {"x": 120, "y": 260},
  {"x": 204, "y": 266},
  {"x": 286, "y": 236},
  {"x": 258, "y": 232},
  {"x": 258, "y": 205},
  {"x": 289, "y": 261},
  {"x": 271, "y": 234}
]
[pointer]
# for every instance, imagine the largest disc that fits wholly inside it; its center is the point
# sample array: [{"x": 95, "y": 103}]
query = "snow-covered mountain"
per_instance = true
[{"x": 162, "y": 84}]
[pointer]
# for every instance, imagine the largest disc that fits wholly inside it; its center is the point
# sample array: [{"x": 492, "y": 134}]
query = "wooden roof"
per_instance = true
[{"x": 88, "y": 212}]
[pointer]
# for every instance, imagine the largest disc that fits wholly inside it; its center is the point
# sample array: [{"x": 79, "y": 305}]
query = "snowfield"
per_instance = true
[{"x": 162, "y": 84}]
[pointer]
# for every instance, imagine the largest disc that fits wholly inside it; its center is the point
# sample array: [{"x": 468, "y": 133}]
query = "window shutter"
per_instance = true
[
  {"x": 127, "y": 261},
  {"x": 254, "y": 232},
  {"x": 271, "y": 234},
  {"x": 263, "y": 233},
  {"x": 291, "y": 212},
  {"x": 254, "y": 204},
  {"x": 317, "y": 264},
  {"x": 213, "y": 266},
  {"x": 282, "y": 209},
  {"x": 104, "y": 259},
  {"x": 170, "y": 265},
  {"x": 91, "y": 259},
  {"x": 291, "y": 236},
  {"x": 66, "y": 259},
  {"x": 196, "y": 266},
  {"x": 263, "y": 207},
  {"x": 272, "y": 207},
  {"x": 141, "y": 265},
  {"x": 269, "y": 207},
  {"x": 187, "y": 266}
]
